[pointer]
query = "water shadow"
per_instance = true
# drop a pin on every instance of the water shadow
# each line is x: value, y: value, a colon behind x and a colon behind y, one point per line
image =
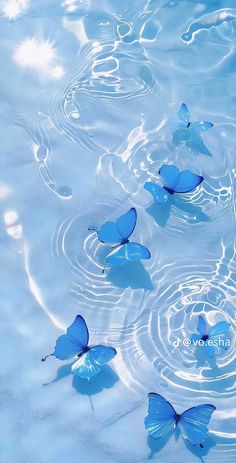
x: 156, y: 445
x: 192, y: 138
x: 200, y: 452
x: 197, y: 145
x: 106, y: 379
x: 131, y: 275
x: 62, y: 372
x: 203, y: 358
x: 161, y: 212
x: 103, y: 380
x: 213, y: 372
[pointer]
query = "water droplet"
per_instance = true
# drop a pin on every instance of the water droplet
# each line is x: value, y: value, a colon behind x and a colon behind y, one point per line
x: 64, y: 191
x: 75, y: 115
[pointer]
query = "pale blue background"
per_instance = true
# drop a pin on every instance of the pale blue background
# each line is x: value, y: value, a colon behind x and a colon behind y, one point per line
x: 89, y: 96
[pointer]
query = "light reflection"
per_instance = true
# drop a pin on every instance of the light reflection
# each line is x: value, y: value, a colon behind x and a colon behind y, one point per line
x: 4, y: 191
x: 13, y: 227
x: 13, y: 8
x: 58, y: 72
x: 35, y: 54
x: 40, y: 56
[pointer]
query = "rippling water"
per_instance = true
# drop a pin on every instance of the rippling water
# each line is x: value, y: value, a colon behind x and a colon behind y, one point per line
x: 90, y: 94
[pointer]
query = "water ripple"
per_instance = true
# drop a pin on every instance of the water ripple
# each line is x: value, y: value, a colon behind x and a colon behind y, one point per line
x: 150, y: 358
x: 112, y: 292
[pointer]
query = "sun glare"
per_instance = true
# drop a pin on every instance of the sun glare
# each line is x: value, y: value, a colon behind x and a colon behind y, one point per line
x: 57, y: 72
x: 39, y: 56
x: 13, y: 8
x: 34, y: 54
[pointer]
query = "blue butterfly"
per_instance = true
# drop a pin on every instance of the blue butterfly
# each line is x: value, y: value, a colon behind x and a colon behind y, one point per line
x: 175, y: 181
x: 119, y: 232
x: 191, y: 132
x: 162, y: 418
x: 75, y: 343
x: 211, y: 336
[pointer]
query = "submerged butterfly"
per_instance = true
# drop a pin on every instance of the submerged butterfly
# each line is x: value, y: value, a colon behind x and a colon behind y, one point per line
x: 162, y: 418
x: 191, y: 132
x: 118, y: 233
x: 175, y: 181
x: 211, y: 336
x: 90, y: 359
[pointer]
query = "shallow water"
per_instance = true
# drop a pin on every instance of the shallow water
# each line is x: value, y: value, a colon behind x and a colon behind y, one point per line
x: 90, y: 93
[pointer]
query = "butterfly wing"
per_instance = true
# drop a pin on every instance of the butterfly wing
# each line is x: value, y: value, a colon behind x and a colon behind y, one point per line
x: 201, y: 126
x: 193, y: 423
x: 202, y: 326
x: 183, y: 113
x: 161, y: 416
x: 160, y: 195
x: 187, y: 181
x: 194, y: 338
x: 181, y: 135
x: 197, y: 144
x: 126, y: 223
x: 74, y: 341
x: 89, y: 364
x: 210, y: 350
x: 220, y: 329
x: 170, y: 175
x: 111, y: 232
x: 126, y: 253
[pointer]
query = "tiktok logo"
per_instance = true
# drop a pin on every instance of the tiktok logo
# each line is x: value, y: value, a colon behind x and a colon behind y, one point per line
x: 177, y: 342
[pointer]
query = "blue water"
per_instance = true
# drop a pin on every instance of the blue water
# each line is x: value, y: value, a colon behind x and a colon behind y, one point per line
x: 89, y: 97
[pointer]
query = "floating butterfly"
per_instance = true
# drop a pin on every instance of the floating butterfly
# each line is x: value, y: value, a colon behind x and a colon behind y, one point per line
x: 119, y: 232
x: 75, y: 343
x: 211, y: 336
x: 191, y: 132
x: 175, y: 181
x: 162, y: 418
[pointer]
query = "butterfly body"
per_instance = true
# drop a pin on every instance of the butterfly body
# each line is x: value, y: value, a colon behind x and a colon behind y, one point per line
x: 85, y: 350
x: 124, y: 242
x: 169, y: 190
x: 74, y: 344
x: 118, y: 234
x: 162, y: 418
x: 177, y: 419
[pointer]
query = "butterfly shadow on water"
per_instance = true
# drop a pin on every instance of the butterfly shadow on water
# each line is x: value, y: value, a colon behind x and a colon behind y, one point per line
x: 202, y: 452
x: 191, y: 133
x: 106, y: 379
x: 210, y: 369
x: 156, y: 445
x: 203, y: 359
x: 132, y: 274
x: 161, y: 212
x: 196, y: 145
x: 62, y: 372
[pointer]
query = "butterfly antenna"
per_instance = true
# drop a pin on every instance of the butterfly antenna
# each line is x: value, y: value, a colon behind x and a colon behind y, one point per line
x: 93, y: 229
x: 103, y: 270
x: 94, y: 334
x: 44, y: 358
